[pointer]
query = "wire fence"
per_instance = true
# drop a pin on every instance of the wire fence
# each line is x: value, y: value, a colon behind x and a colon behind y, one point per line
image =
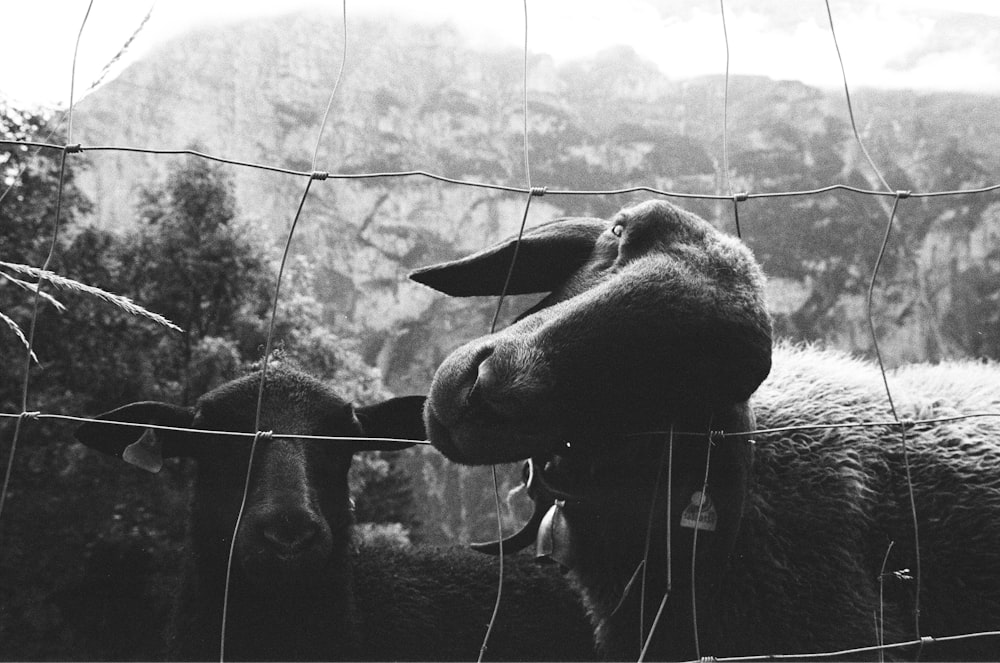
x: 530, y: 191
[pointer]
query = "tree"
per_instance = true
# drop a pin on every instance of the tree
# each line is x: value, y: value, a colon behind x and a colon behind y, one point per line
x: 194, y: 262
x: 29, y: 194
x: 29, y: 185
x: 47, y: 531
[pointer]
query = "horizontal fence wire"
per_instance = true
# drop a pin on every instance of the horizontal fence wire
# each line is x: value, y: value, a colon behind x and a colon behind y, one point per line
x: 919, y: 642
x: 544, y: 190
x: 42, y: 416
x: 901, y: 425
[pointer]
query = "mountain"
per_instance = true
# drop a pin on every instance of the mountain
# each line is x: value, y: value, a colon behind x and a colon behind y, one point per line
x: 418, y: 97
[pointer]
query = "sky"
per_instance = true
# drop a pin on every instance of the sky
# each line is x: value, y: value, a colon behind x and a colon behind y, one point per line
x: 921, y: 44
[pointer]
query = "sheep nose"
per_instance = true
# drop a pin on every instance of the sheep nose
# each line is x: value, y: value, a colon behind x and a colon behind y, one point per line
x: 291, y: 533
x: 486, y: 382
x: 512, y: 381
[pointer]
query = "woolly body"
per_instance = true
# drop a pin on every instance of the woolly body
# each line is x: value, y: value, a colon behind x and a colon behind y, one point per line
x: 805, y: 572
x: 655, y: 321
x: 300, y: 588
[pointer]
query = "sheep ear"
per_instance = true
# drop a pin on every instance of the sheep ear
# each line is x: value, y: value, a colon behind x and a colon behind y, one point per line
x: 138, y: 445
x: 401, y: 418
x: 547, y: 255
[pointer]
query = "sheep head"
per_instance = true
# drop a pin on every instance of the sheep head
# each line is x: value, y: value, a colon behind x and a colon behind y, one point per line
x: 650, y: 318
x: 298, y: 510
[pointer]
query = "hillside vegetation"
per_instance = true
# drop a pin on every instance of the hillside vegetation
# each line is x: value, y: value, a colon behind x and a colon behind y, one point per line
x: 419, y: 98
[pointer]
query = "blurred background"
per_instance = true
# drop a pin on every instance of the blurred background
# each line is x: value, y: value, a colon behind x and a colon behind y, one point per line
x: 620, y: 96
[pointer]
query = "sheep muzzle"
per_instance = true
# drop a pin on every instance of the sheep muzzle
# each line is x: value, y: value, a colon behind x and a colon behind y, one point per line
x: 497, y: 393
x: 284, y: 545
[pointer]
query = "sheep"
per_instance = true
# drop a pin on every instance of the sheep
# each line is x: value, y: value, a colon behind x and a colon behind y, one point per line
x: 302, y: 586
x: 651, y: 339
x: 112, y: 611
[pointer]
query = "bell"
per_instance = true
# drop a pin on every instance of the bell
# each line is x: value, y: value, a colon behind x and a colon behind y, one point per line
x: 554, y: 540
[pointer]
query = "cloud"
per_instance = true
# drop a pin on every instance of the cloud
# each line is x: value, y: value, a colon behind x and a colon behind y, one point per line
x: 924, y: 44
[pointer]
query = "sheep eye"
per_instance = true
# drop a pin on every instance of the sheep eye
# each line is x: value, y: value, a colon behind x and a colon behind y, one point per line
x: 617, y: 230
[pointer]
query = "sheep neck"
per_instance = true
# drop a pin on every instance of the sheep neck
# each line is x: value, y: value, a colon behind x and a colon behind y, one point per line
x: 599, y: 530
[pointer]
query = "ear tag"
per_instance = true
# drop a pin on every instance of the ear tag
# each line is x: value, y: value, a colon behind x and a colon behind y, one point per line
x: 146, y: 452
x: 554, y: 538
x: 707, y: 519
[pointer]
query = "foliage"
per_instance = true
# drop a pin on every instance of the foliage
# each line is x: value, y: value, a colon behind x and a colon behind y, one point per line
x: 193, y: 261
x: 30, y: 192
x: 47, y: 530
x: 29, y: 182
x: 48, y: 276
x: 113, y: 537
x: 204, y: 249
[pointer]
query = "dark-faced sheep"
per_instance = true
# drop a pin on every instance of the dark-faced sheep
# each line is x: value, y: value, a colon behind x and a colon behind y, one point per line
x: 655, y: 321
x: 301, y: 588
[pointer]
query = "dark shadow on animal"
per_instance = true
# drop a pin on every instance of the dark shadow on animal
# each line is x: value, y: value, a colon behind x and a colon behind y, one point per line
x: 301, y: 587
x: 653, y: 340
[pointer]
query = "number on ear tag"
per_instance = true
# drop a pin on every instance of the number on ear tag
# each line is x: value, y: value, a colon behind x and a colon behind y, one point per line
x: 700, y: 513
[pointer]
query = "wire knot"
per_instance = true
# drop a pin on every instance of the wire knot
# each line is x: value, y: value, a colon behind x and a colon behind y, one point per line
x: 741, y: 197
x: 319, y: 175
x: 716, y: 436
x: 73, y: 149
x: 30, y: 415
x: 538, y: 190
x: 900, y: 575
x: 265, y: 435
x: 903, y: 194
x: 927, y: 639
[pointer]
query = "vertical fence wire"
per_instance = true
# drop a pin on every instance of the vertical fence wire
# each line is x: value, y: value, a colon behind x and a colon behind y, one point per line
x: 260, y: 401
x: 709, y: 441
x: 265, y: 360
x: 493, y: 325
x: 880, y: 620
x: 63, y: 116
x: 666, y: 462
x: 871, y: 323
x: 725, y: 126
x: 37, y: 298
x: 69, y: 148
x: 72, y: 78
x: 917, y: 562
x: 725, y: 103
x: 725, y: 121
x: 336, y: 88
